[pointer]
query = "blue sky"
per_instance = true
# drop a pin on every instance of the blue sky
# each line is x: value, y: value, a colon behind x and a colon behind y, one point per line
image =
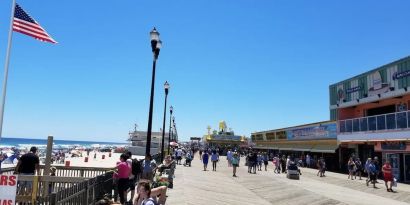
x: 257, y: 65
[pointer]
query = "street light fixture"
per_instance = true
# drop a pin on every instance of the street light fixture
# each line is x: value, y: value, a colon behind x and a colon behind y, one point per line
x: 171, y: 109
x: 156, y: 47
x: 166, y: 87
x: 173, y: 123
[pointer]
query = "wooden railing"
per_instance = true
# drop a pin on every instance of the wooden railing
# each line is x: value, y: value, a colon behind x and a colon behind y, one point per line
x: 71, y: 185
x: 86, y: 172
x: 64, y: 190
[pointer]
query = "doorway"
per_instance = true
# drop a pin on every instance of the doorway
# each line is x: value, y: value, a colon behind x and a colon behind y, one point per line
x: 395, y: 164
x: 407, y: 168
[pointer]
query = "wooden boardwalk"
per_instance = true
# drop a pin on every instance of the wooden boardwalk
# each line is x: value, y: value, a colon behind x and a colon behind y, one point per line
x: 194, y: 186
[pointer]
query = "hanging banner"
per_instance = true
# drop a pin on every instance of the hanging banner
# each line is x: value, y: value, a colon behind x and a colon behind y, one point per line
x: 8, y: 187
x: 319, y: 131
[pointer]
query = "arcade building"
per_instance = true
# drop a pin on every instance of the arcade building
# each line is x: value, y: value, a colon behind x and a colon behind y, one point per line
x: 369, y: 117
x: 373, y: 117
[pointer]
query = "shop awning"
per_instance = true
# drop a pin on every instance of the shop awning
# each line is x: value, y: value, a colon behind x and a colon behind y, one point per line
x: 295, y: 147
x: 324, y: 148
x: 302, y: 147
x: 284, y: 146
x: 262, y: 147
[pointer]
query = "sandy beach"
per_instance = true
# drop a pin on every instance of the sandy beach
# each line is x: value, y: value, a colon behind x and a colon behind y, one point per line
x: 107, y: 162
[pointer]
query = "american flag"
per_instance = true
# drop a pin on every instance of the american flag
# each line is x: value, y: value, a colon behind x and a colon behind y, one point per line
x: 24, y: 24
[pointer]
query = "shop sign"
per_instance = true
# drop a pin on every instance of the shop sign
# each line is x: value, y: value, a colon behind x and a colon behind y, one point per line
x: 8, y: 187
x: 399, y: 75
x: 321, y: 131
x: 354, y: 89
x: 378, y: 87
x: 394, y: 145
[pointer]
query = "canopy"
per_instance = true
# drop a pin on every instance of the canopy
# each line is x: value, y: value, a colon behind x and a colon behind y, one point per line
x: 324, y: 148
x: 174, y: 144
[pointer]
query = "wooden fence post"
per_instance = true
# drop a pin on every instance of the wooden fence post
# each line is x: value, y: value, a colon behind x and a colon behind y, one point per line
x: 53, y: 199
x: 85, y: 199
x: 46, y: 171
x: 34, y: 189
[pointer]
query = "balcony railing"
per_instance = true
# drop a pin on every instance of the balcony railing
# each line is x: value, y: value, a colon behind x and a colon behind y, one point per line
x: 390, y: 121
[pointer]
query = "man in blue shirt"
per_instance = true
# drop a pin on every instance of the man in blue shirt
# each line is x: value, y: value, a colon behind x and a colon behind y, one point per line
x: 372, y: 171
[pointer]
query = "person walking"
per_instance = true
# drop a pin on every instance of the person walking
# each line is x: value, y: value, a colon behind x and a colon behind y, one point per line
x: 265, y: 160
x: 179, y: 156
x: 387, y: 175
x: 260, y: 159
x: 214, y: 159
x: 205, y: 159
x: 377, y: 165
x: 276, y: 162
x: 350, y: 167
x: 235, y: 163
x: 372, y: 172
x: 308, y: 161
x: 229, y: 157
x: 200, y: 154
x: 321, y: 167
x: 366, y: 168
x: 254, y: 160
x: 248, y: 162
x: 359, y: 168
x: 283, y: 164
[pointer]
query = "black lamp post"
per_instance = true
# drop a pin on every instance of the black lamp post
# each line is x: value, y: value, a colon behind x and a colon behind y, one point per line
x: 173, y: 123
x: 156, y: 46
x: 171, y: 109
x: 166, y: 87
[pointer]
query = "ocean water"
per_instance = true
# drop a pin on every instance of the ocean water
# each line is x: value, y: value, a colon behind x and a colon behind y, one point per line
x: 25, y: 142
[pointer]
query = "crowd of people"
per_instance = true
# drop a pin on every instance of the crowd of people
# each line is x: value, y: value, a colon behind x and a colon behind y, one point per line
x: 133, y: 174
x: 373, y: 169
x: 142, y: 176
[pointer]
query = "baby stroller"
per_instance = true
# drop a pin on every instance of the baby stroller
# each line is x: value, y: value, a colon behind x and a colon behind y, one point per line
x: 188, y: 160
x: 293, y: 171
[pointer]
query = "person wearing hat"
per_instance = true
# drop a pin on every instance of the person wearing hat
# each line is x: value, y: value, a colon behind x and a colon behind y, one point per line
x: 235, y: 163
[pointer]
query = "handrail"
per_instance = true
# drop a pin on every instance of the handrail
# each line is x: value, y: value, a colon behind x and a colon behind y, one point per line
x: 87, y: 172
x: 376, y: 123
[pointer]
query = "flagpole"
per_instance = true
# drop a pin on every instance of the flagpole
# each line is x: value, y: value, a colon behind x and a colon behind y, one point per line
x: 6, y: 67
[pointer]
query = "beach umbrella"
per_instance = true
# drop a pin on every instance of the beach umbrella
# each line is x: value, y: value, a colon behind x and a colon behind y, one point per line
x: 174, y: 144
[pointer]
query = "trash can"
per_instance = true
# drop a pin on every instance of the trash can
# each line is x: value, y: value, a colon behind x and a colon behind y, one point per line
x: 67, y: 163
x: 109, y: 154
x: 85, y: 159
x: 103, y: 156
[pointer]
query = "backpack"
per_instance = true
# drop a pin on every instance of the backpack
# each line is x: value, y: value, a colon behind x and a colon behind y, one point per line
x: 136, y: 167
x: 234, y: 161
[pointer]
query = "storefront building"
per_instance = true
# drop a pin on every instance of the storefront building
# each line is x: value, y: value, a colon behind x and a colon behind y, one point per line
x: 316, y: 139
x: 372, y: 115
